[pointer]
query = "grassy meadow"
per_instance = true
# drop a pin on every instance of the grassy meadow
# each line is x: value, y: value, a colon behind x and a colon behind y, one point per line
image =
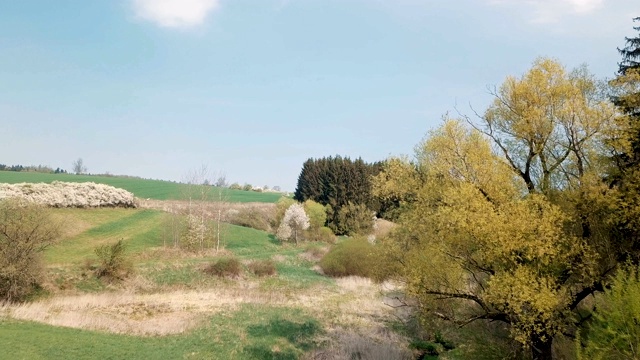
x: 141, y: 188
x: 171, y: 309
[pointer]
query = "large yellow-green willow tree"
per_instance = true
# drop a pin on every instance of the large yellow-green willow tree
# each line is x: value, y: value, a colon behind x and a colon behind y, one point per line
x: 506, y: 218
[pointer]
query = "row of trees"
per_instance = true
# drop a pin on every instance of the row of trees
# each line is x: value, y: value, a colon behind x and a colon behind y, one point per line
x: 522, y: 214
x: 344, y: 186
x: 32, y: 168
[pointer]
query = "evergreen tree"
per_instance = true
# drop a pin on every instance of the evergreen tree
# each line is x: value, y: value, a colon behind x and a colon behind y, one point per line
x: 628, y: 99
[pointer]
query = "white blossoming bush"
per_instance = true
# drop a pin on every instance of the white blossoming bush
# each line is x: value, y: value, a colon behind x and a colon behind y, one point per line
x: 65, y: 194
x: 295, y: 220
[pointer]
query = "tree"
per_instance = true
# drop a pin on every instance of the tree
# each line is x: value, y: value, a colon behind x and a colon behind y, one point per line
x: 26, y: 230
x: 508, y: 220
x: 79, y: 167
x: 337, y: 181
x: 295, y: 221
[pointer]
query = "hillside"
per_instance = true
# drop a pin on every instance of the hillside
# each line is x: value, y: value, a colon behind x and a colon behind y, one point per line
x: 142, y: 188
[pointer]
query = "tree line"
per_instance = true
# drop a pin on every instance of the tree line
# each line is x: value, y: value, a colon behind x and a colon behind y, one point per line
x: 32, y: 168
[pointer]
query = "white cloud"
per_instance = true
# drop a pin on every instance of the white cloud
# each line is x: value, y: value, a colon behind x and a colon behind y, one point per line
x: 550, y: 11
x: 175, y: 13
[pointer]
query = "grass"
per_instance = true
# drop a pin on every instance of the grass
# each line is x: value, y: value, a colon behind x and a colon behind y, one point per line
x: 252, y: 332
x: 141, y: 188
x: 170, y: 309
x: 140, y: 229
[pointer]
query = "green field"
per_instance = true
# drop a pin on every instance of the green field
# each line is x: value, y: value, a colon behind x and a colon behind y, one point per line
x: 142, y: 188
x: 282, y: 316
x: 251, y: 332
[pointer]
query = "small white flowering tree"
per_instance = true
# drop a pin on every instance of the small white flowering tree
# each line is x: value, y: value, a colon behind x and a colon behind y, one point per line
x: 295, y: 221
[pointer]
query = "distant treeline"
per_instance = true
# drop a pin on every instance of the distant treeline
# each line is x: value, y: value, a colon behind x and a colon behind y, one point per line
x: 32, y: 168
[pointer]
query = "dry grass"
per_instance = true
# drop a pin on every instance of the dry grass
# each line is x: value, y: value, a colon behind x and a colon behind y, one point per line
x: 314, y: 254
x: 355, y: 303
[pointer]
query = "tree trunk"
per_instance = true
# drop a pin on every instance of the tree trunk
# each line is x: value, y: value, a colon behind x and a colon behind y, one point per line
x: 541, y: 349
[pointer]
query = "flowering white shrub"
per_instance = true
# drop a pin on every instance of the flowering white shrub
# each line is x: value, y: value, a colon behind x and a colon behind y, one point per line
x: 295, y: 220
x: 65, y: 194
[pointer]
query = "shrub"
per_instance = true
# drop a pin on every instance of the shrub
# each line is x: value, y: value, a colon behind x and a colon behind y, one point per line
x: 25, y: 231
x: 352, y: 219
x: 262, y: 267
x: 225, y: 267
x: 281, y: 207
x: 113, y: 263
x: 323, y: 234
x: 252, y: 218
x: 294, y: 222
x: 64, y: 194
x: 316, y: 212
x: 352, y: 257
x: 614, y: 332
x: 235, y: 186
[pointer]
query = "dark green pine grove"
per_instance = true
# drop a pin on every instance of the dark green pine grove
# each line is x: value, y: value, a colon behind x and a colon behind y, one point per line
x: 342, y: 184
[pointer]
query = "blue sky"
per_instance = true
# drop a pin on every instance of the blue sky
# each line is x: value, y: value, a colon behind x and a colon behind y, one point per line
x: 252, y: 88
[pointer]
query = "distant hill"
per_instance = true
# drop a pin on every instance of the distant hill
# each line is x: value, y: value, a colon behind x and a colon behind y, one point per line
x: 142, y: 188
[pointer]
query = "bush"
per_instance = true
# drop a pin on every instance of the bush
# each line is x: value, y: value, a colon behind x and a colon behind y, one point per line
x: 225, y: 267
x: 113, y: 263
x: 262, y: 267
x: 64, y: 194
x: 25, y: 231
x: 316, y: 212
x: 252, y: 218
x: 351, y: 219
x: 352, y: 257
x: 323, y: 234
x: 614, y: 332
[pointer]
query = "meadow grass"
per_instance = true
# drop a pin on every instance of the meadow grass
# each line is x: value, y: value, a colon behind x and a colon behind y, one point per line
x: 171, y: 309
x: 141, y: 188
x: 251, y: 332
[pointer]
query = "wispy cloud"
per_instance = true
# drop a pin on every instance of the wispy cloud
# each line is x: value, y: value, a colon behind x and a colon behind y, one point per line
x: 550, y: 11
x: 175, y: 13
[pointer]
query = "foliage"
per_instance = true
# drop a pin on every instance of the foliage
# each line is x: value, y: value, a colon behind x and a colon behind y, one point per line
x: 26, y: 230
x: 352, y: 219
x: 336, y: 181
x: 548, y: 125
x: 614, y: 332
x: 316, y: 212
x: 281, y: 207
x: 294, y: 222
x: 63, y: 194
x: 352, y: 257
x: 254, y: 218
x: 247, y: 187
x: 323, y: 234
x: 225, y: 267
x: 197, y: 233
x: 396, y: 186
x: 513, y: 236
x: 262, y: 267
x: 113, y: 263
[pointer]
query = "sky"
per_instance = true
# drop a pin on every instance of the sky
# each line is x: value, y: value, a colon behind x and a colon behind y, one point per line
x: 252, y: 88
